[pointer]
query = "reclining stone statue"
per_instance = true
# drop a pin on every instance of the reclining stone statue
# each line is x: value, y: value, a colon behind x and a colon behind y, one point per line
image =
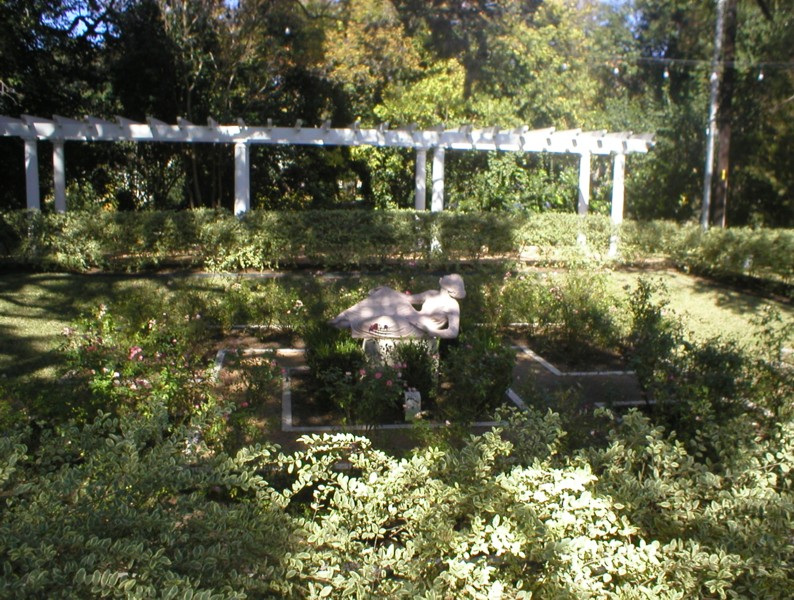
x: 389, y: 314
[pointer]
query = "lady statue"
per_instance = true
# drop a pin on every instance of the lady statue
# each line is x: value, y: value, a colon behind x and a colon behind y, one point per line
x: 388, y: 314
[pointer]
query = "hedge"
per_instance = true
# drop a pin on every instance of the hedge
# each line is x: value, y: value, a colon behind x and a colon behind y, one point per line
x: 219, y: 241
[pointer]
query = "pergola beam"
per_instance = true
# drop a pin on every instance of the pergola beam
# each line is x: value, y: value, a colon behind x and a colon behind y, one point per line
x: 523, y: 139
x: 585, y: 144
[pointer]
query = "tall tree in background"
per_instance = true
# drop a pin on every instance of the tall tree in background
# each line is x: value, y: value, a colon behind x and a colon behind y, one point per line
x: 725, y: 103
x: 636, y: 64
x: 762, y: 173
x: 50, y: 63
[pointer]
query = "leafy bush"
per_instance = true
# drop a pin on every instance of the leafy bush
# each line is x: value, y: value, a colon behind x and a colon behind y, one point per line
x: 266, y: 303
x: 329, y: 348
x: 117, y: 364
x: 574, y: 311
x: 703, y: 389
x: 144, y: 501
x: 260, y: 240
x: 135, y: 496
x: 419, y: 365
x: 741, y: 251
x: 136, y: 506
x: 476, y: 372
x: 370, y: 396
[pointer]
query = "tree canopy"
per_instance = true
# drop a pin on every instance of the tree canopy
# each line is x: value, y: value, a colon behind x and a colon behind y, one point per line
x: 640, y: 65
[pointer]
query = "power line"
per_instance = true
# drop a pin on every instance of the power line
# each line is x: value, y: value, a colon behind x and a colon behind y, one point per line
x: 695, y: 62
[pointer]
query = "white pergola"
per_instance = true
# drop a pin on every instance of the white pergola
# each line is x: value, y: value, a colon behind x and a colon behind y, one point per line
x: 438, y: 140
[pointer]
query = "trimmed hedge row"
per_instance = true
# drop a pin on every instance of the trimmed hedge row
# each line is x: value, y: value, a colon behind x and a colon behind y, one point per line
x: 219, y: 241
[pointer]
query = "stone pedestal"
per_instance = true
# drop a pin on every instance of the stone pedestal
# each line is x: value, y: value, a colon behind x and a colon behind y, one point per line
x: 413, y: 404
x: 381, y: 351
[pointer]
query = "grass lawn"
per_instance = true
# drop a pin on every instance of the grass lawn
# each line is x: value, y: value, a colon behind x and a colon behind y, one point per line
x: 709, y: 309
x: 35, y: 308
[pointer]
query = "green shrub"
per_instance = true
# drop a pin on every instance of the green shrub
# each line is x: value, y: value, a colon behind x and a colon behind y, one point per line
x: 419, y: 366
x: 135, y: 507
x: 339, y: 239
x: 140, y: 505
x: 476, y: 372
x: 117, y: 364
x: 574, y: 309
x: 704, y: 389
x: 328, y: 347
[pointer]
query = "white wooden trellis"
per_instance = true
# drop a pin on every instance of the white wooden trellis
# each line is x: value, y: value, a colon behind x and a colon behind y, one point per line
x: 585, y: 144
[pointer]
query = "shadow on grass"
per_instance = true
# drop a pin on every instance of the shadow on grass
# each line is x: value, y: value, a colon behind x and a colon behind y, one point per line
x: 35, y: 308
x: 740, y: 299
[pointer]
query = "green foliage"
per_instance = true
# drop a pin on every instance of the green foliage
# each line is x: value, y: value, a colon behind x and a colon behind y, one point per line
x: 705, y: 520
x: 572, y: 310
x: 371, y: 395
x: 267, y: 303
x: 135, y: 507
x: 763, y: 253
x: 476, y: 372
x: 655, y: 335
x: 419, y: 366
x: 119, y: 365
x: 120, y: 507
x: 708, y: 391
x: 365, y: 392
x: 263, y: 240
x: 144, y: 501
x: 556, y: 63
x: 328, y: 347
x: 259, y: 375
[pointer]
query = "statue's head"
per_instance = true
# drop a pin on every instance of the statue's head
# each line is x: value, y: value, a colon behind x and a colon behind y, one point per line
x: 453, y: 284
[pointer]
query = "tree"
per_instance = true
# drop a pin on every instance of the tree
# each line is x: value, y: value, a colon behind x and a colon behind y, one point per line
x: 755, y: 120
x: 50, y: 63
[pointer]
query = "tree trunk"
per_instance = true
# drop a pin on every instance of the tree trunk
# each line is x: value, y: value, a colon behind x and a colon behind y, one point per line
x: 725, y: 115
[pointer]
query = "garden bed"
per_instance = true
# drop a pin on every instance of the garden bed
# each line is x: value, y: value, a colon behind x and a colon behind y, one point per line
x: 284, y: 403
x: 566, y: 357
x: 288, y: 401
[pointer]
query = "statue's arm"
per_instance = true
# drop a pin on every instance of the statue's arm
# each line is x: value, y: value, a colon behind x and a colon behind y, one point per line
x: 420, y: 297
x: 429, y: 325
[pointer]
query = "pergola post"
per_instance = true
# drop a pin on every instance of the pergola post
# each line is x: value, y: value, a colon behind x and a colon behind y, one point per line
x: 420, y: 199
x: 583, y: 204
x: 618, y: 187
x: 32, y: 174
x: 618, y: 197
x: 437, y: 202
x: 59, y: 175
x: 242, y: 178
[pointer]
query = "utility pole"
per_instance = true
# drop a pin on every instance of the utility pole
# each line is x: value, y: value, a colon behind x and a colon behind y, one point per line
x: 714, y: 93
